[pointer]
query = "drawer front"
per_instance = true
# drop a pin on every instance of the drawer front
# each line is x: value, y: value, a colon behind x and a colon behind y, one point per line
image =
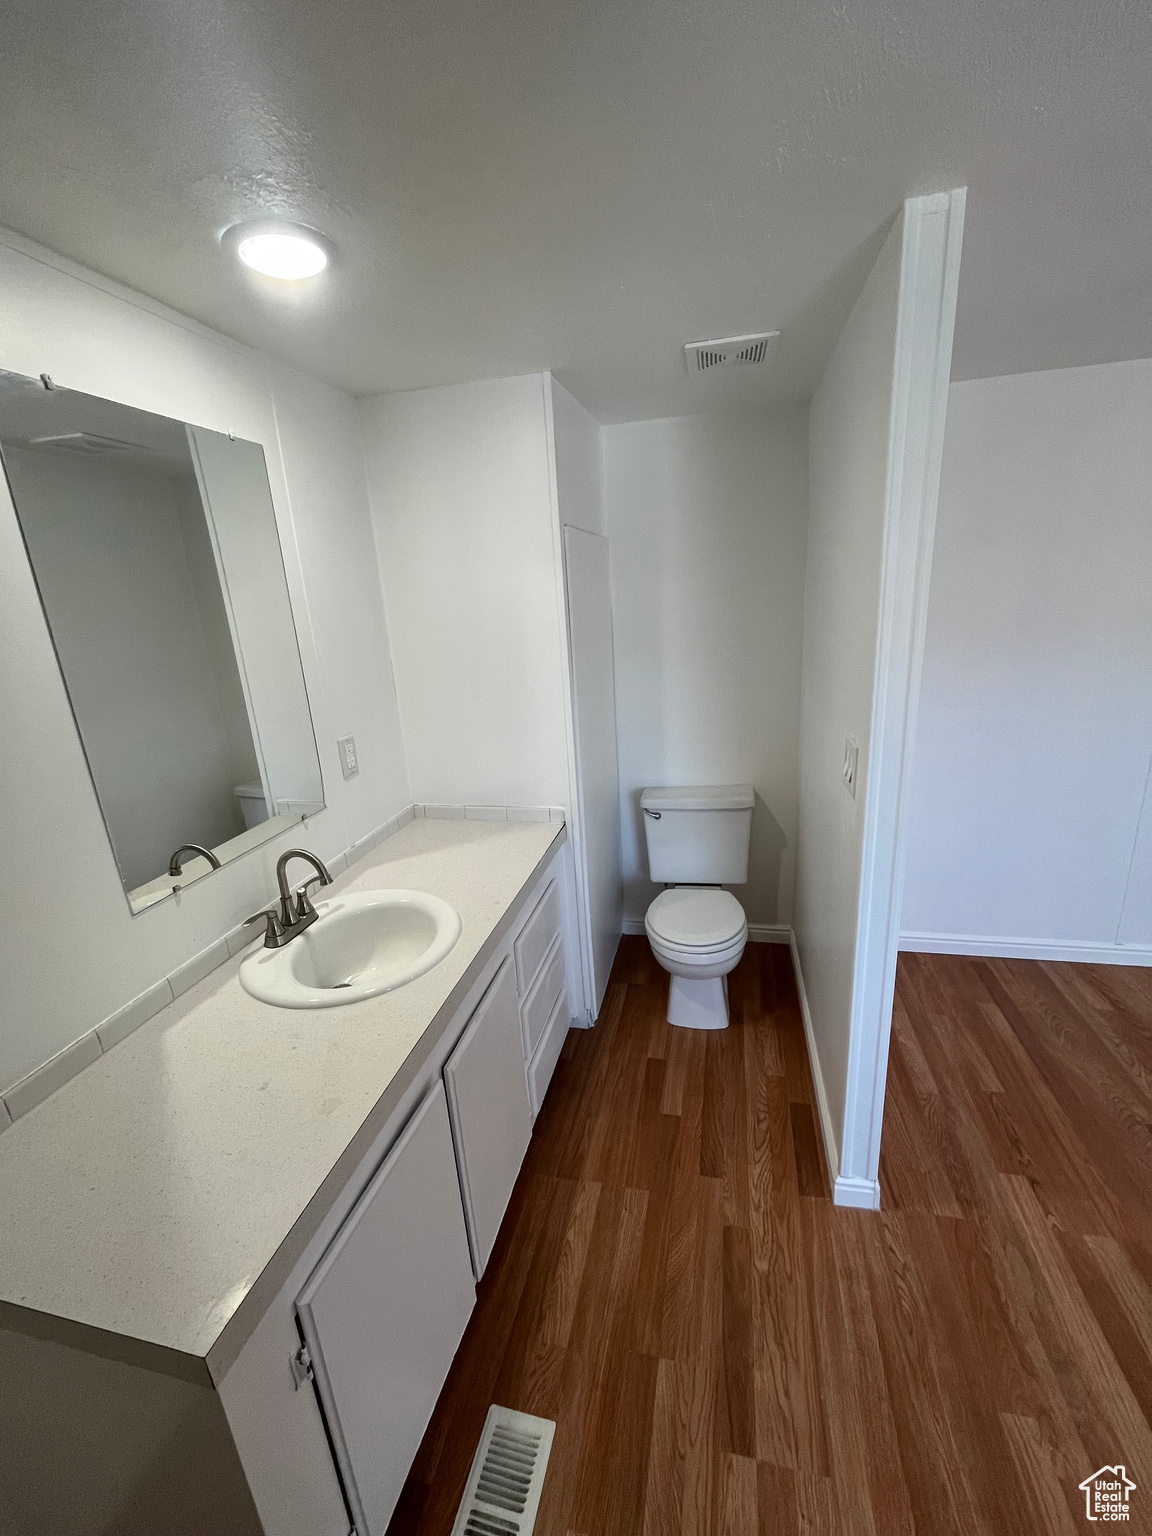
x: 535, y: 938
x: 535, y: 1013
x: 547, y: 1054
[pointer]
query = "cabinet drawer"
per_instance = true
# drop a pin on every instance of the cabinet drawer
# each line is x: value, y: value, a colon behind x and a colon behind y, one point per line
x: 543, y: 1063
x: 536, y: 1011
x: 535, y: 938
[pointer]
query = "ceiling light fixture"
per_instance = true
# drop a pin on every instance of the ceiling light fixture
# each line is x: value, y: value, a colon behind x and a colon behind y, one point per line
x: 286, y: 251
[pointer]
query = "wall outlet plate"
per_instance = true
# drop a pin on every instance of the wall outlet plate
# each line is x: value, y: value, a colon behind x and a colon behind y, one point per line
x: 851, y: 765
x: 349, y: 765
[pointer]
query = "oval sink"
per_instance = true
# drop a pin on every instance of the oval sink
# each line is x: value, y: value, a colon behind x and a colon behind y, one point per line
x: 361, y: 945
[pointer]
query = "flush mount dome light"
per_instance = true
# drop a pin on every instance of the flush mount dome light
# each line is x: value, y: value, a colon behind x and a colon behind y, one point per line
x: 287, y: 251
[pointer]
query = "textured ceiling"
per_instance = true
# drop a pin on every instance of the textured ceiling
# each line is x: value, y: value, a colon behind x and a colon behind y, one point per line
x: 587, y: 186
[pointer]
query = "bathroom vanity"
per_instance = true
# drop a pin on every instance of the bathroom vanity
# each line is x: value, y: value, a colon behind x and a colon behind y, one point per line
x: 240, y: 1250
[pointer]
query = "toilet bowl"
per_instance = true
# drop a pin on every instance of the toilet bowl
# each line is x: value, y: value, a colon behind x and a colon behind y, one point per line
x: 697, y: 933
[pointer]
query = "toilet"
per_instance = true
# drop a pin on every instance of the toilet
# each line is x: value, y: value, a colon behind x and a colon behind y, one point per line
x: 698, y: 837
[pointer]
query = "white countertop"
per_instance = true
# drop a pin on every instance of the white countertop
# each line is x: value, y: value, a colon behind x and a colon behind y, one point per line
x: 147, y: 1195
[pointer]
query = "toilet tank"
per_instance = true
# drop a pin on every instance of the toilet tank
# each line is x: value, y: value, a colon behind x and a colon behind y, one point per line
x: 698, y: 834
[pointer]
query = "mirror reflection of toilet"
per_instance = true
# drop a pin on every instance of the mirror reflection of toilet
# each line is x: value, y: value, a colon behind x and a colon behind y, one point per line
x: 253, y: 806
x: 698, y: 838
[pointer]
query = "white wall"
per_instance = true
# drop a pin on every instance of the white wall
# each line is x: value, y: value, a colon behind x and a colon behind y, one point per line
x: 107, y: 546
x: 849, y: 423
x: 319, y: 433
x: 876, y: 431
x: 1035, y: 732
x: 460, y: 486
x: 63, y: 914
x: 706, y: 517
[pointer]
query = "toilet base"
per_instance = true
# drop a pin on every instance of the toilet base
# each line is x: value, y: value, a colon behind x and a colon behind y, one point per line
x: 696, y: 1004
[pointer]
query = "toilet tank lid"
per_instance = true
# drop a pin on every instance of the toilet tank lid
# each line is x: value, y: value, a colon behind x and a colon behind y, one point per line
x: 700, y: 797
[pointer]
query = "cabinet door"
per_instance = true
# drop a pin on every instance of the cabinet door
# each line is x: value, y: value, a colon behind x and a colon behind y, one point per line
x: 384, y: 1311
x: 491, y: 1116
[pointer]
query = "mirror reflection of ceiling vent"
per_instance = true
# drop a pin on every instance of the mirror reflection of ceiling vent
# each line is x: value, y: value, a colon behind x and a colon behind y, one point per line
x: 728, y: 351
x: 84, y: 442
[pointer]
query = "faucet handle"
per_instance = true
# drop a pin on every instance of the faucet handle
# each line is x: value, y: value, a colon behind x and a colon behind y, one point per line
x: 273, y: 928
x: 304, y: 907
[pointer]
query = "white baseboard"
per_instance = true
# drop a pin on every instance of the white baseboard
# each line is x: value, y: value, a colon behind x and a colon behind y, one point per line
x: 827, y: 1131
x: 758, y: 933
x: 769, y: 933
x: 992, y: 946
x: 860, y: 1194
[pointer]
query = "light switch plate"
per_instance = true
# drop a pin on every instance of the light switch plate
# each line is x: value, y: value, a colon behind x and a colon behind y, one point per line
x: 349, y: 765
x: 851, y: 765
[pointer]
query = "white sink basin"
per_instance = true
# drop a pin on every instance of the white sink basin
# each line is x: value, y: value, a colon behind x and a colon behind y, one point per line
x: 360, y: 945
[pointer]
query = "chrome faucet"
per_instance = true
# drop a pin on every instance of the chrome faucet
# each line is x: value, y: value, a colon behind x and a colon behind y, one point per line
x: 281, y: 925
x: 176, y: 868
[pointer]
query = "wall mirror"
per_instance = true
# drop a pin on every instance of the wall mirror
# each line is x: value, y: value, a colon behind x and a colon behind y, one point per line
x: 155, y: 551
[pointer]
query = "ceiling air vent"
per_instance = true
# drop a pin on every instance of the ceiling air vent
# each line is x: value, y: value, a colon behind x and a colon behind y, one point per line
x: 728, y: 351
x: 502, y: 1495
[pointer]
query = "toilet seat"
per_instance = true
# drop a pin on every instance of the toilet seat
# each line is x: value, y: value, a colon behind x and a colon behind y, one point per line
x: 700, y: 921
x: 679, y: 957
x: 697, y: 933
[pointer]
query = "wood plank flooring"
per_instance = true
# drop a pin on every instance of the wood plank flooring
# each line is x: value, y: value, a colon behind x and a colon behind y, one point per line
x: 725, y: 1352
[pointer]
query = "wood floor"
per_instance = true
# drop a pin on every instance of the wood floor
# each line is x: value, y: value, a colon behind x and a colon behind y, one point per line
x: 725, y: 1351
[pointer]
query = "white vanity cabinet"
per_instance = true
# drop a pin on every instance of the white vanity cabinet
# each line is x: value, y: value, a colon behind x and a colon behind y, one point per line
x: 384, y: 1311
x: 491, y: 1115
x: 303, y: 1414
x: 382, y: 1293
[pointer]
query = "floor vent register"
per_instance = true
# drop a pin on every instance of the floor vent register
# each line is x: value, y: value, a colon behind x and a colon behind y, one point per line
x: 503, y: 1491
